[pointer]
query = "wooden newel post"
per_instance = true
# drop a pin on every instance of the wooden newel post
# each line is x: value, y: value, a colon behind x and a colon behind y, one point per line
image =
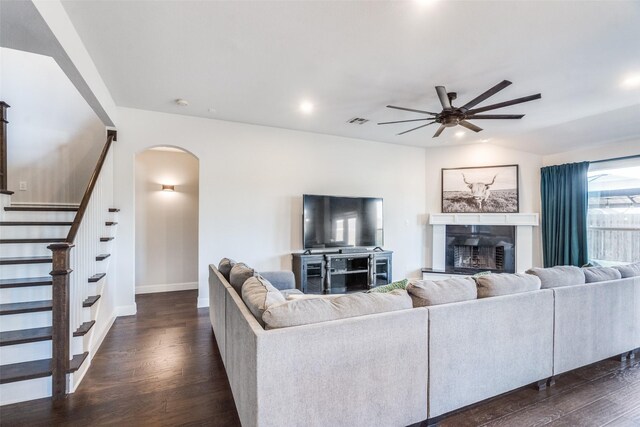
x: 3, y: 145
x: 60, y: 323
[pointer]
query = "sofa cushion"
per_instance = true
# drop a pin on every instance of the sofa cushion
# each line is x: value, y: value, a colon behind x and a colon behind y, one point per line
x: 493, y: 285
x: 225, y: 266
x: 306, y: 311
x: 289, y: 292
x: 629, y: 270
x: 428, y: 292
x: 258, y: 295
x: 240, y: 272
x: 600, y: 274
x: 555, y: 277
x: 400, y: 284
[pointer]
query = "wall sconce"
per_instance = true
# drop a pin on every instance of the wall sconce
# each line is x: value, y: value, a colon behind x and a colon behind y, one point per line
x: 166, y: 187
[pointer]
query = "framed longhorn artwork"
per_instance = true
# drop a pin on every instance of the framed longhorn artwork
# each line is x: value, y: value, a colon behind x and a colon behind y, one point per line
x: 486, y: 189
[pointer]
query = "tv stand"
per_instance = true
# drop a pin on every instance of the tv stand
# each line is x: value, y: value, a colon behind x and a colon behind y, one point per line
x: 338, y: 273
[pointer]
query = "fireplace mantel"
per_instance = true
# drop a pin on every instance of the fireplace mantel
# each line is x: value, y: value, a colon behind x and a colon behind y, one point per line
x: 524, y: 223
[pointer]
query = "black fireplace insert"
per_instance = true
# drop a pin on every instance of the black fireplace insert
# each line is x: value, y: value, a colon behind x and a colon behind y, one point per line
x: 476, y: 248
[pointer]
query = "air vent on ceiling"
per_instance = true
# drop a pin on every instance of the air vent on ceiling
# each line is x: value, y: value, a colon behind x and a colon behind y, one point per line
x: 357, y: 121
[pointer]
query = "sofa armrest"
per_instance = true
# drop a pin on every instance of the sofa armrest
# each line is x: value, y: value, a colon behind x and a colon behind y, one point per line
x: 280, y: 279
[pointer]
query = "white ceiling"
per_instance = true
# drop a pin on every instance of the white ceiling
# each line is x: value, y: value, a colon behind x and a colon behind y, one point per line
x: 255, y: 61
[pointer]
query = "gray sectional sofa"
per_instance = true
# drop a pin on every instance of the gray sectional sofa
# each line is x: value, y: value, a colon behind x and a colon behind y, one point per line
x: 402, y: 367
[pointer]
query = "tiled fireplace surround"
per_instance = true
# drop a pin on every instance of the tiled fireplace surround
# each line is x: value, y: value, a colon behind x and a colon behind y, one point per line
x: 523, y: 223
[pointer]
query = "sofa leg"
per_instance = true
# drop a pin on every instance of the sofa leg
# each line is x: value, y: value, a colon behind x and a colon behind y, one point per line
x: 541, y: 385
x: 551, y: 381
x: 632, y: 355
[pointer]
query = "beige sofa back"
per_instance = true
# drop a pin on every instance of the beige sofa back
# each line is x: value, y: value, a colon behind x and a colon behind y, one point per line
x: 482, y: 348
x: 595, y: 321
x: 217, y: 307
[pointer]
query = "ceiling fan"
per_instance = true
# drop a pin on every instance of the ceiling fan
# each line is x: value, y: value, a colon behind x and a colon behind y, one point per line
x: 451, y: 116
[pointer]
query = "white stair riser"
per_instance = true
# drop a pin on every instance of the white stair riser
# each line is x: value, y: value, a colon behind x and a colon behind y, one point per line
x: 25, y: 352
x: 17, y: 271
x: 97, y: 287
x: 38, y: 216
x: 22, y: 391
x: 14, y: 322
x: 31, y: 293
x: 34, y: 232
x: 24, y: 249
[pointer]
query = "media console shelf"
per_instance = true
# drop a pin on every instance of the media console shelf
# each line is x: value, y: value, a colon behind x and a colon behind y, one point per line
x: 339, y: 273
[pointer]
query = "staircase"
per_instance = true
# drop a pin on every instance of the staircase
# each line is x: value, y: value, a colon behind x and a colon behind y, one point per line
x: 54, y: 272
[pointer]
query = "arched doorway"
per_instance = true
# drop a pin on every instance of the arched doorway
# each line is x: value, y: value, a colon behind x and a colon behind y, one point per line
x: 166, y: 240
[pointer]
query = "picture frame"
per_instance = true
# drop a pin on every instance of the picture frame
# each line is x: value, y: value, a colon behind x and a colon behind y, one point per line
x: 481, y: 189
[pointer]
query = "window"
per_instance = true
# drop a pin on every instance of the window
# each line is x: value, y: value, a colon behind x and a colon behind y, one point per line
x: 614, y: 212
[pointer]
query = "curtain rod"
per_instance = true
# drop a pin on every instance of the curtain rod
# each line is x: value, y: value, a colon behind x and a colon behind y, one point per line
x: 617, y: 158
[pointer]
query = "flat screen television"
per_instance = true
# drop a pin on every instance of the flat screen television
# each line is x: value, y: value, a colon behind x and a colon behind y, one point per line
x: 338, y: 222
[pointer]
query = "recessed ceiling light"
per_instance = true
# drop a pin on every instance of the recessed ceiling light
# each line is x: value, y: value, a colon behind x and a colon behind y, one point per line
x: 485, y: 140
x: 425, y: 3
x: 306, y: 107
x: 182, y: 102
x: 460, y: 133
x: 631, y: 81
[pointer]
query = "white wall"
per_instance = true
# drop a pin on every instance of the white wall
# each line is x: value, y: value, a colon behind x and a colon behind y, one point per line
x: 251, y: 183
x: 603, y: 152
x: 166, y: 222
x: 54, y: 137
x: 483, y: 155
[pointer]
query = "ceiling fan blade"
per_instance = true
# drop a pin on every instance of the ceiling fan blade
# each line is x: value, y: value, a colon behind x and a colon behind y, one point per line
x: 475, y: 101
x: 439, y: 131
x: 444, y: 98
x: 411, y: 130
x: 412, y: 110
x: 505, y: 104
x: 495, y: 116
x: 404, y: 121
x: 469, y: 126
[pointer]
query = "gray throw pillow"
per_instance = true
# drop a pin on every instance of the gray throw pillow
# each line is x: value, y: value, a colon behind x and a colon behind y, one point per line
x: 556, y: 277
x: 239, y: 274
x: 493, y: 285
x: 259, y: 294
x: 600, y: 274
x: 629, y: 270
x: 225, y: 266
x: 427, y: 292
x: 314, y: 310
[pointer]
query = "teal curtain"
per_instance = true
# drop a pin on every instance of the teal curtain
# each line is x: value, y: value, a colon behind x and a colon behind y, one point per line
x: 564, y: 214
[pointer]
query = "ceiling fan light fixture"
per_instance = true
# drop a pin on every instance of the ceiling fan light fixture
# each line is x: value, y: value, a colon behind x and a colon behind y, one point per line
x: 460, y: 133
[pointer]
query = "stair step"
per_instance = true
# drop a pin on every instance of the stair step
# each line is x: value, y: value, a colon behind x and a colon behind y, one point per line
x: 114, y: 210
x: 84, y: 328
x: 25, y: 307
x: 7, y: 192
x: 90, y: 301
x: 25, y: 260
x: 110, y: 223
x: 35, y: 369
x: 102, y: 257
x: 47, y: 240
x: 25, y: 282
x: 106, y: 239
x: 96, y: 277
x: 25, y: 336
x: 34, y: 223
x: 40, y: 209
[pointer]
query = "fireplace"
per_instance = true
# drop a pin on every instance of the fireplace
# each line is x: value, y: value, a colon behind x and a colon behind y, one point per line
x: 474, y: 248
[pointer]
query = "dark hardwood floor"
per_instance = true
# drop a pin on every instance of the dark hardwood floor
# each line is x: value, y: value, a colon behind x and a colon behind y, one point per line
x: 162, y: 367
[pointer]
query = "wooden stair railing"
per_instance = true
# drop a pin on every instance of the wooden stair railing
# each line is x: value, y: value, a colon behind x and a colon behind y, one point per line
x: 3, y: 147
x: 61, y: 281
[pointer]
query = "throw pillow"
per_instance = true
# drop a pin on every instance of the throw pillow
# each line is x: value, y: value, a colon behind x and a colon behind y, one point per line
x: 600, y: 274
x: 493, y: 285
x: 629, y: 270
x: 315, y: 310
x: 225, y: 266
x: 427, y: 292
x: 258, y: 295
x: 555, y: 277
x: 400, y: 284
x: 239, y: 274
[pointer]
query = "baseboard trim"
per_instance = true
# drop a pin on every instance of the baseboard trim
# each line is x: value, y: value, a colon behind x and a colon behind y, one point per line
x: 126, y: 310
x: 203, y: 302
x: 169, y: 287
